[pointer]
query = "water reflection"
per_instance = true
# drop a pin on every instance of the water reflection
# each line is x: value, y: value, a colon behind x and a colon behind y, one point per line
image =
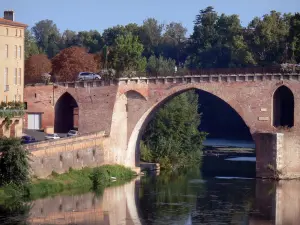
x: 117, y: 205
x: 169, y: 199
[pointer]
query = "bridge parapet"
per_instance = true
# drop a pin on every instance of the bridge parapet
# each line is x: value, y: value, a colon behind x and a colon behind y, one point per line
x: 185, y: 79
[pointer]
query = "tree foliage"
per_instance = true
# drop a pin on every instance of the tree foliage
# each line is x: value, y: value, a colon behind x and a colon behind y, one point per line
x: 127, y: 54
x: 217, y: 40
x: 172, y: 137
x: 69, y: 62
x: 160, y: 66
x: 14, y: 162
x: 35, y: 67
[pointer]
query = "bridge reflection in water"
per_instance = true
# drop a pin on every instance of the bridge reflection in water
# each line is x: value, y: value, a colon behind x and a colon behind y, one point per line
x: 117, y: 206
x: 275, y: 203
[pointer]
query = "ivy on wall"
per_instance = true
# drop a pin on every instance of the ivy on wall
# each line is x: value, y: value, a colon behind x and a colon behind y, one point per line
x: 9, y: 110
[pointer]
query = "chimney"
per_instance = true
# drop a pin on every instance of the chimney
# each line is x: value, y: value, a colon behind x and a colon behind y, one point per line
x: 9, y: 15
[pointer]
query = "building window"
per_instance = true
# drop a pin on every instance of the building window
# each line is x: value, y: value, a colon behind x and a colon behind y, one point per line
x: 20, y: 33
x: 20, y: 76
x: 16, y: 49
x: 16, y: 32
x: 19, y: 51
x: 6, y: 88
x: 6, y: 31
x: 5, y: 98
x: 6, y: 51
x: 16, y: 76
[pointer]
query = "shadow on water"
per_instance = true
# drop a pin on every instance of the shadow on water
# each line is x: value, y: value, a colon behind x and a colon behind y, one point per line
x: 176, y: 198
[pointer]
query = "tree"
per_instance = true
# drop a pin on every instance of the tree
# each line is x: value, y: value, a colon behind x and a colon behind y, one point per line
x: 14, y: 162
x: 173, y: 136
x: 127, y: 55
x: 31, y: 47
x: 68, y: 39
x: 268, y: 41
x: 150, y: 36
x: 90, y: 40
x: 35, y: 67
x: 294, y: 38
x: 69, y: 62
x: 203, y: 40
x: 47, y: 36
x: 173, y: 42
x: 160, y: 66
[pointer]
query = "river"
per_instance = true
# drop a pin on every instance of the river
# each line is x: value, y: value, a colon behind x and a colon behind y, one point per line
x: 184, y: 198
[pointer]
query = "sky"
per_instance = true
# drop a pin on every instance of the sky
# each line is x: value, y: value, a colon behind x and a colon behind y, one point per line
x: 100, y: 14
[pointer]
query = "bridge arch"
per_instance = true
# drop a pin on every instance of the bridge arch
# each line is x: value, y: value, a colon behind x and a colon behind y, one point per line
x: 66, y: 113
x: 283, y: 107
x: 132, y: 157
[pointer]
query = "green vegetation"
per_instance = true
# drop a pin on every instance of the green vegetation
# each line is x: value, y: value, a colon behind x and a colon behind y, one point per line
x: 83, y: 180
x: 217, y: 40
x: 172, y: 138
x: 14, y: 162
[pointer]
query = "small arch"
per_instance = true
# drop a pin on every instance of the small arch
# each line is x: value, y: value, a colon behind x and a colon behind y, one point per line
x: 283, y: 107
x: 66, y: 114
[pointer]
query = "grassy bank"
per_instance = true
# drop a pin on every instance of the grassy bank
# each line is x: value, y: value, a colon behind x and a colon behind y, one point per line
x: 83, y: 180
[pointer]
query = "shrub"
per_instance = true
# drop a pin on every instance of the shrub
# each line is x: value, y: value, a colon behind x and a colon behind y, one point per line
x: 14, y: 162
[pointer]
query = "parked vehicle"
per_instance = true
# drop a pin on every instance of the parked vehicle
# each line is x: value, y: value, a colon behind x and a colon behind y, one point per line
x: 72, y: 133
x: 88, y: 76
x: 27, y: 139
x: 52, y: 136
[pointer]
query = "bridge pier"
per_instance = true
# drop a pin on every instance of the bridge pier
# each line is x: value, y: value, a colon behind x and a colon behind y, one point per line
x: 277, y: 155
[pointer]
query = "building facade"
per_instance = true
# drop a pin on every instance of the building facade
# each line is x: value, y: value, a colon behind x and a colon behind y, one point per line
x: 11, y: 72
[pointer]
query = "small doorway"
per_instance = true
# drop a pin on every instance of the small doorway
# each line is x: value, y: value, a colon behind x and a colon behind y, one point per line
x: 283, y: 107
x: 34, y: 121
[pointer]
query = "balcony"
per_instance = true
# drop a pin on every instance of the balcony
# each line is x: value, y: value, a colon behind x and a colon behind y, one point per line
x: 6, y: 87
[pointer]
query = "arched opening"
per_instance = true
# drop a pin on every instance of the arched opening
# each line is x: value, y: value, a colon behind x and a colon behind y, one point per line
x: 219, y: 118
x: 283, y: 107
x: 66, y: 114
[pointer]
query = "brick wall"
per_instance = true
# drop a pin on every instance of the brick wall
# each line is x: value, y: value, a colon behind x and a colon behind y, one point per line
x: 75, y: 152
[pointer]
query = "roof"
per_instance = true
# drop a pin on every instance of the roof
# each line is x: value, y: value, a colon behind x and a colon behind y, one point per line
x: 12, y: 23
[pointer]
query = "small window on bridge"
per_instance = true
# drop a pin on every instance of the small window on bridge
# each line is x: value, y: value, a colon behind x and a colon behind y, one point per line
x: 283, y: 107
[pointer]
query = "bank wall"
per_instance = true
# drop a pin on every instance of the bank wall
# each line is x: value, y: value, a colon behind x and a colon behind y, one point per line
x: 74, y: 152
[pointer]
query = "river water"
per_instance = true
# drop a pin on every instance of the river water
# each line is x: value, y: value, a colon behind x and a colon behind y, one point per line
x: 177, y: 199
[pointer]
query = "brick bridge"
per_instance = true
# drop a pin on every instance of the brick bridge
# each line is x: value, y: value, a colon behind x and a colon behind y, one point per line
x: 267, y: 101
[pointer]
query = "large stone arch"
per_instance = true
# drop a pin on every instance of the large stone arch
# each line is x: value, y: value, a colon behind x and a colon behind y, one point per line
x: 66, y: 113
x: 132, y: 152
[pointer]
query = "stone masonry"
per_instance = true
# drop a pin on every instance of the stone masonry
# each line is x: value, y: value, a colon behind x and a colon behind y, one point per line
x: 122, y: 109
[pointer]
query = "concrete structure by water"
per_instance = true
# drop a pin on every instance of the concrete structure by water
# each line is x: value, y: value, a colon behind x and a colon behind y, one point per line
x: 267, y: 101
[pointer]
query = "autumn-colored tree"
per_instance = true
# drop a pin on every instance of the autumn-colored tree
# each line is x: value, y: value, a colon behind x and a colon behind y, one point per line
x: 69, y: 62
x: 35, y: 67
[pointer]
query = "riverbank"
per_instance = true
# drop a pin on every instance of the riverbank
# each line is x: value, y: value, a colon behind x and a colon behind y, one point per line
x: 87, y: 179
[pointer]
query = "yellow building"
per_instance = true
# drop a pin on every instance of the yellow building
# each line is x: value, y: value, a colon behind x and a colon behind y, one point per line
x: 11, y: 72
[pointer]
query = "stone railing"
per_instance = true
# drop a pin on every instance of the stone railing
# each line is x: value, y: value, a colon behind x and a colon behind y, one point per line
x: 62, y: 141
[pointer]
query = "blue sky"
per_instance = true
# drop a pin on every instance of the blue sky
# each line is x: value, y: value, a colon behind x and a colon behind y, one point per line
x: 100, y: 14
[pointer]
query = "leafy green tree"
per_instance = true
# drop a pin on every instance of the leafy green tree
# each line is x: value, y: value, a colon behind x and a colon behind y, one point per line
x: 160, y: 66
x: 47, y: 37
x: 90, y: 40
x: 294, y: 38
x: 204, y: 38
x: 173, y: 136
x: 150, y: 36
x: 31, y: 47
x: 68, y: 39
x: 14, y: 162
x: 268, y: 41
x: 173, y: 42
x: 127, y: 55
